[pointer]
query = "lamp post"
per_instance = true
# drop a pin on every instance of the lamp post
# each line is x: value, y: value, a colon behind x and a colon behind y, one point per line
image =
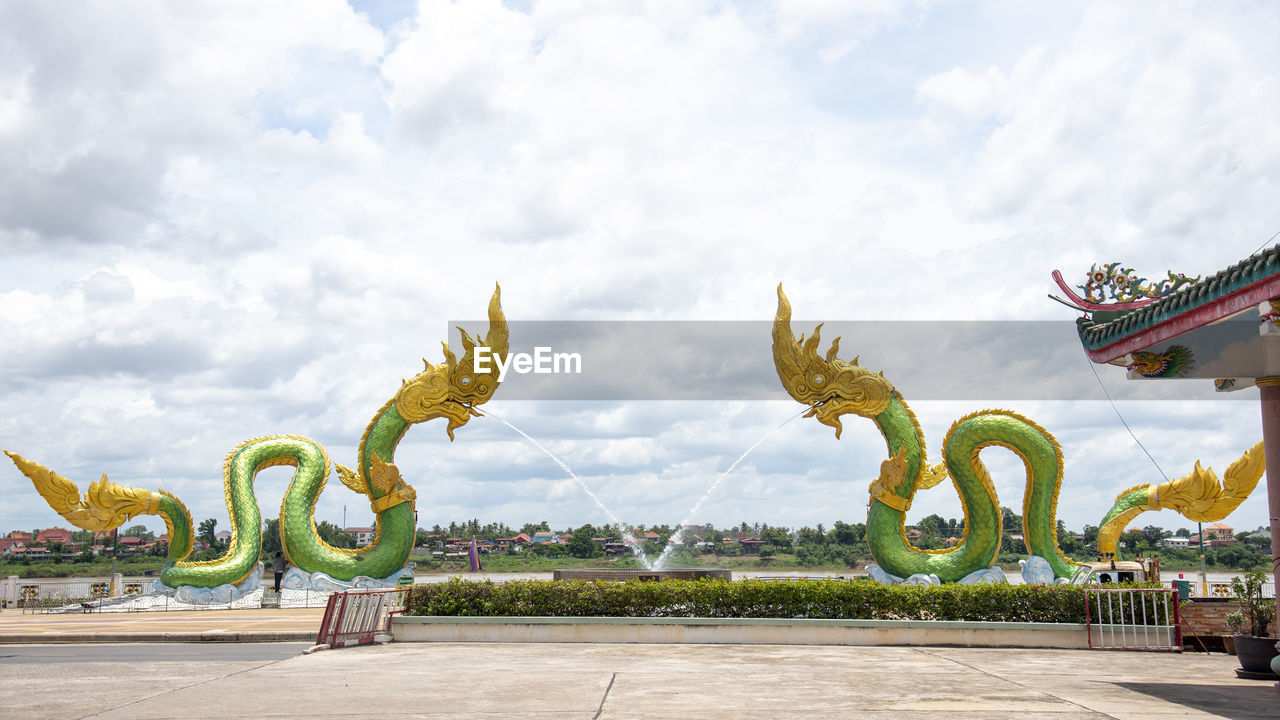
x: 115, y: 548
x: 1204, y: 577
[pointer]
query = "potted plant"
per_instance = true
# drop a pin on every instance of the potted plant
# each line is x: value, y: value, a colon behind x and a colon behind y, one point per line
x: 1256, y: 649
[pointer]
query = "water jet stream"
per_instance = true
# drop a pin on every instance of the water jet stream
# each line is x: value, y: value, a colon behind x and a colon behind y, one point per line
x: 627, y: 537
x: 676, y: 537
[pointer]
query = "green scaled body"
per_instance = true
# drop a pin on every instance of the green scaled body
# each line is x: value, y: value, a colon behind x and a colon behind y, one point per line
x: 833, y: 388
x: 302, y: 545
x: 983, y: 520
x: 450, y: 391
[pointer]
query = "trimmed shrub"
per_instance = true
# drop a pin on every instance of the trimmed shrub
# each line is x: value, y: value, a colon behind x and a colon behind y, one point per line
x: 749, y: 599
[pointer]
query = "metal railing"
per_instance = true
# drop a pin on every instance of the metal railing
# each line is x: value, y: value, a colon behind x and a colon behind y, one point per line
x: 95, y: 595
x: 360, y: 617
x: 1218, y: 589
x: 34, y: 597
x: 1133, y: 619
x: 1223, y: 590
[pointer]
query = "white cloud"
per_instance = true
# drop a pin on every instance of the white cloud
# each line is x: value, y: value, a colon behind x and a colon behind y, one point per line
x: 223, y: 220
x: 836, y: 27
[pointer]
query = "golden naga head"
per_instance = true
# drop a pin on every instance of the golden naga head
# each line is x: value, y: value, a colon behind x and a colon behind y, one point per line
x: 453, y: 388
x: 830, y: 386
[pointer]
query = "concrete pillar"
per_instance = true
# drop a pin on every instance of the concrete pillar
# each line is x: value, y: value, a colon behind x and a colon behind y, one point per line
x: 1270, y: 390
x: 11, y: 591
x: 117, y: 585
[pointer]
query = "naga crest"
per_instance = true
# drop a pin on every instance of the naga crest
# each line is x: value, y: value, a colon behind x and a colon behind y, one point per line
x: 830, y: 386
x: 453, y: 388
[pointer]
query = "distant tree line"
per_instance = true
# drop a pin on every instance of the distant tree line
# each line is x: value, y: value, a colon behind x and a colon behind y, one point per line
x: 841, y: 544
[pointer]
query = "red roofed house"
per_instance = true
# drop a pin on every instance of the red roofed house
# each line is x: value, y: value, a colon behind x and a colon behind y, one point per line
x: 513, y: 542
x: 52, y: 535
x: 363, y: 535
x: 1220, y: 531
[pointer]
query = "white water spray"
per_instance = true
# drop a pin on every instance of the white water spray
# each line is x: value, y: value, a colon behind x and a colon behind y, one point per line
x: 676, y: 537
x: 627, y: 537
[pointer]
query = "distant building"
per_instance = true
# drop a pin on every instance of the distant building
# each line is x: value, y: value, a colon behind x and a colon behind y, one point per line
x: 703, y: 529
x: 1260, y: 539
x: 363, y: 535
x: 1220, y: 531
x: 513, y: 542
x: 54, y: 534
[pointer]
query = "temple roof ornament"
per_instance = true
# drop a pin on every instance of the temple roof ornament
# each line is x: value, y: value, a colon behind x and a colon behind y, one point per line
x: 1114, y: 287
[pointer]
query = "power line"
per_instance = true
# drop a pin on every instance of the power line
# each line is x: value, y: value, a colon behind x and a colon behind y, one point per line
x: 1122, y: 420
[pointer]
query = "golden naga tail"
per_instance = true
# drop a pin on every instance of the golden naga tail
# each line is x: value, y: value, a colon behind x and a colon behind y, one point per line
x: 105, y: 506
x: 1198, y: 496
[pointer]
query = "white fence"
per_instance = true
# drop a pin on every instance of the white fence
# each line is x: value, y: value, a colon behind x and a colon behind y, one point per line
x: 1133, y: 619
x: 1223, y: 589
x: 44, y: 595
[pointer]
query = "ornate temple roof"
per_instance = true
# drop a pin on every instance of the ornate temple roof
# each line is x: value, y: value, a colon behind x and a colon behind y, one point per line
x: 1226, y: 293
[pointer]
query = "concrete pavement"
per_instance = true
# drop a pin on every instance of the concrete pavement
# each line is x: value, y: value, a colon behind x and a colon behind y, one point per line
x: 586, y: 681
x: 521, y: 680
x: 270, y: 625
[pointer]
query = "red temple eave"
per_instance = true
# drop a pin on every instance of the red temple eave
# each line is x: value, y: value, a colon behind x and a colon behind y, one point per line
x: 1217, y: 309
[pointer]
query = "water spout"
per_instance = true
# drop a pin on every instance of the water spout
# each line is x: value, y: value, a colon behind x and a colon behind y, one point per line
x: 629, y: 539
x: 678, y: 535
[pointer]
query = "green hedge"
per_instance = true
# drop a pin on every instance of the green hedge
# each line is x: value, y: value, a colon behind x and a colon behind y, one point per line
x: 749, y: 599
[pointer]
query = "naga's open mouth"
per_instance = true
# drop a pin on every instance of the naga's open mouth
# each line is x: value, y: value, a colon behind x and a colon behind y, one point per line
x: 816, y: 408
x: 828, y: 412
x: 457, y: 412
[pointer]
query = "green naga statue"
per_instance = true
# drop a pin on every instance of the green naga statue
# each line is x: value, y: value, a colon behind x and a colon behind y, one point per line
x: 450, y: 390
x: 833, y: 388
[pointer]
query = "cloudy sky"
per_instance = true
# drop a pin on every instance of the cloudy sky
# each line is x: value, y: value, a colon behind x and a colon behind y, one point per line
x: 224, y: 220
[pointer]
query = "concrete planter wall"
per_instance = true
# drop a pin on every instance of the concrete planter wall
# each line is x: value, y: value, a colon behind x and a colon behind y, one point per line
x: 738, y: 631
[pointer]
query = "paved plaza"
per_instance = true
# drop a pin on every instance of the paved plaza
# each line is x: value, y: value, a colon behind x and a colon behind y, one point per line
x: 498, y: 680
x: 267, y: 625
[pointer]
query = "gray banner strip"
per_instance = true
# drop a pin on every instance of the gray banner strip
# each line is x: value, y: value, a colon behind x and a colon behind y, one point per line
x: 711, y: 360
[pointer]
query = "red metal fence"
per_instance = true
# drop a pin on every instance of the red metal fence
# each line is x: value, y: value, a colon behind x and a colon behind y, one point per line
x: 1133, y: 619
x: 359, y: 617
